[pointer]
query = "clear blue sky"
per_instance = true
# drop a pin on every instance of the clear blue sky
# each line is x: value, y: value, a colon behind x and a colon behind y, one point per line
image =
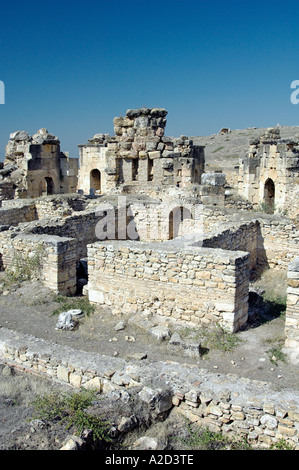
x: 73, y: 65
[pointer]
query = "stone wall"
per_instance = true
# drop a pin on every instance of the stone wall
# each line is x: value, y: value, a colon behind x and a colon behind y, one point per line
x: 292, y: 311
x: 50, y: 259
x: 236, y: 406
x: 281, y: 241
x: 21, y: 211
x: 132, y: 277
x: 80, y: 226
x: 139, y: 156
x: 35, y: 165
x: 278, y: 237
x: 243, y: 237
x: 268, y: 175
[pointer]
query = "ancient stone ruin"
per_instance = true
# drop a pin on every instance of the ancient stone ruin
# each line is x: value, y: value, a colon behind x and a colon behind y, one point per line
x: 269, y: 174
x: 35, y: 166
x: 139, y: 158
x: 140, y: 224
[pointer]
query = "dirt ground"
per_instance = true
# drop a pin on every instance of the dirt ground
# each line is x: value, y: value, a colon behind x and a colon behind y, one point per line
x: 28, y: 308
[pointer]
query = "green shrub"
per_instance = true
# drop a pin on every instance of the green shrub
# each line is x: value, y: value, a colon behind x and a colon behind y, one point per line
x: 25, y: 267
x: 203, y: 439
x: 70, y: 410
x: 281, y: 444
x: 213, y: 338
x: 70, y: 303
x: 275, y: 353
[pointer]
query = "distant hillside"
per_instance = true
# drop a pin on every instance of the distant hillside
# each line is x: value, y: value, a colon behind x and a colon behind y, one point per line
x: 223, y: 151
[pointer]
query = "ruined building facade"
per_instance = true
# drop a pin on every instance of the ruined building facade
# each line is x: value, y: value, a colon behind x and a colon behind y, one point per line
x: 35, y: 166
x: 139, y: 157
x: 269, y: 174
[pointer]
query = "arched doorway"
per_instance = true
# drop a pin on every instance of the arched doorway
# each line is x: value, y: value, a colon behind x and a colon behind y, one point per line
x: 95, y: 180
x: 176, y: 216
x: 47, y: 186
x: 269, y: 195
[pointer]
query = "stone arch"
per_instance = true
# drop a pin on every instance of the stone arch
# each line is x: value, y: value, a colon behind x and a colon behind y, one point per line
x: 47, y: 186
x: 176, y: 216
x: 95, y: 180
x: 269, y: 195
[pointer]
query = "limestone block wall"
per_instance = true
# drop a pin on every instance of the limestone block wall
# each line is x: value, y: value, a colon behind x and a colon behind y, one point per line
x: 234, y: 405
x: 21, y: 211
x: 199, y: 285
x: 139, y: 155
x: 268, y: 174
x: 278, y: 238
x: 80, y: 226
x: 156, y: 221
x: 281, y: 242
x: 292, y: 310
x: 60, y: 205
x: 245, y: 237
x: 50, y: 259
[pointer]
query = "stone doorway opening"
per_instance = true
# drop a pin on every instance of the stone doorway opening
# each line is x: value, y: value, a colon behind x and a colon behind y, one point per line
x: 95, y: 180
x: 47, y: 186
x: 269, y: 195
x: 176, y: 217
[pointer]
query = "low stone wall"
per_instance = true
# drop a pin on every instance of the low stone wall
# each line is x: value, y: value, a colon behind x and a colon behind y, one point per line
x: 236, y: 406
x: 19, y: 212
x: 292, y: 311
x: 60, y: 205
x: 50, y: 259
x: 278, y: 239
x: 281, y: 242
x: 243, y: 237
x: 194, y: 284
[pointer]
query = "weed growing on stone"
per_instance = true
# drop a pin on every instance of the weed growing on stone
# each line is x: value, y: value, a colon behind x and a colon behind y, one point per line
x: 70, y: 410
x: 275, y: 353
x: 24, y: 267
x: 281, y: 444
x: 70, y: 303
x: 203, y: 439
x: 216, y: 338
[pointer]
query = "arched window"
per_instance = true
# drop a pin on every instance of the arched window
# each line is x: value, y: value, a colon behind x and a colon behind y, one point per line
x: 269, y: 195
x: 95, y: 180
